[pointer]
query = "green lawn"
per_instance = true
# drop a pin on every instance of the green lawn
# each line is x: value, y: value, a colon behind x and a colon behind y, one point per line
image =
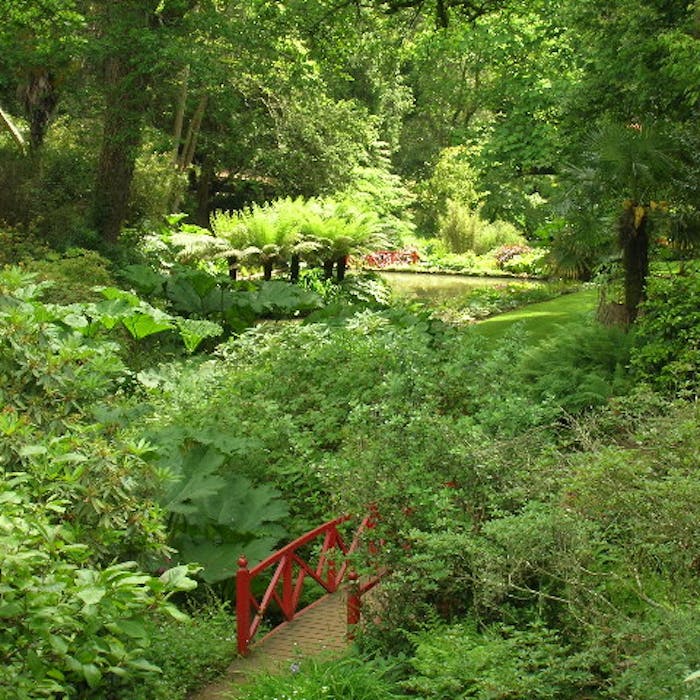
x: 540, y: 319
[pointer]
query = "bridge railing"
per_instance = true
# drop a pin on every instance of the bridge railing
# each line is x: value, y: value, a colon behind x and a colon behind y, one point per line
x: 291, y: 569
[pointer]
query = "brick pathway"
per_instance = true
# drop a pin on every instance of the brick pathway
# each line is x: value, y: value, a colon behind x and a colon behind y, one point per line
x: 320, y: 628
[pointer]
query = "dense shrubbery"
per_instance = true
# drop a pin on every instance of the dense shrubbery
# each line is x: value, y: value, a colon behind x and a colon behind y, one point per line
x: 78, y: 494
x: 666, y: 349
x: 538, y: 518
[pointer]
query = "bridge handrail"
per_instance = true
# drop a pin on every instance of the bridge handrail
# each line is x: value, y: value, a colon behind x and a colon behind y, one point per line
x: 326, y: 573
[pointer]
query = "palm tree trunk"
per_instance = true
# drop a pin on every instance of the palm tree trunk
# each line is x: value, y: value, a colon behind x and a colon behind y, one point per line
x: 267, y: 270
x: 328, y: 269
x: 634, y: 241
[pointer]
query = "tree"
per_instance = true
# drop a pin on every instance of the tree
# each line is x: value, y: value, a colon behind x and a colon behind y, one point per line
x: 631, y: 170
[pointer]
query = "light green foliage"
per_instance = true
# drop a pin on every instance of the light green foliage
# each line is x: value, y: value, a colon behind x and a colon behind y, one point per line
x: 453, y: 179
x: 350, y: 678
x: 151, y: 189
x: 484, y: 302
x: 666, y: 345
x: 55, y: 383
x: 381, y: 191
x: 462, y: 229
x: 69, y: 628
x: 316, y: 231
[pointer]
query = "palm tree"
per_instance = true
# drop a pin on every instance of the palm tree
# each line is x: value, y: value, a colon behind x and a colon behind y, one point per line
x: 628, y: 175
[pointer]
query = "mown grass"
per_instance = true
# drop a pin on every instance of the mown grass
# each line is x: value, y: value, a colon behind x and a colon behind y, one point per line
x: 541, y: 319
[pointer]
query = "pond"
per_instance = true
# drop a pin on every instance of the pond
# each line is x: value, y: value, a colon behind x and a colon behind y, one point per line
x: 439, y: 287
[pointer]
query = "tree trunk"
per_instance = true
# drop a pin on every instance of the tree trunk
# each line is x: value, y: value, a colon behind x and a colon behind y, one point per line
x: 40, y: 98
x: 267, y: 270
x: 11, y: 127
x: 120, y: 144
x: 180, y: 115
x: 328, y: 269
x: 342, y: 266
x: 206, y: 176
x: 193, y: 134
x: 294, y: 265
x: 634, y: 241
x: 232, y: 267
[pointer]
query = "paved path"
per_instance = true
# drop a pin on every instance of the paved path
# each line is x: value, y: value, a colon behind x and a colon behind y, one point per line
x: 320, y: 628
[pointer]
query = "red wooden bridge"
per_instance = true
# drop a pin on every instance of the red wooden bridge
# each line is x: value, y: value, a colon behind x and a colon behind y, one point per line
x: 306, y: 596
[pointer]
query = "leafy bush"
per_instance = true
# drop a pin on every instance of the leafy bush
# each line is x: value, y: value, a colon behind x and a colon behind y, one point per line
x: 52, y: 198
x: 215, y: 514
x: 453, y: 179
x: 657, y: 655
x: 501, y: 662
x: 666, y: 347
x: 69, y: 629
x: 74, y: 274
x: 463, y: 229
x: 189, y: 653
x: 350, y: 678
x: 580, y: 367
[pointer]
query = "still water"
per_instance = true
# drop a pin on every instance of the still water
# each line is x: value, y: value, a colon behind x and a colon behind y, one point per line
x: 438, y: 286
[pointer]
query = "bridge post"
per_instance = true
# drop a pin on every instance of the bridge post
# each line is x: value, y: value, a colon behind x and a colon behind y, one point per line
x: 354, y: 603
x: 243, y: 606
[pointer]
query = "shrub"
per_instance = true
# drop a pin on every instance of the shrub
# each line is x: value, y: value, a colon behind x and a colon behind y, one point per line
x: 500, y: 663
x: 453, y: 179
x: 655, y: 654
x: 462, y: 229
x: 74, y: 274
x: 495, y: 234
x: 458, y: 227
x: 190, y: 653
x: 350, y: 678
x: 51, y: 197
x: 580, y: 367
x: 69, y: 630
x: 666, y: 347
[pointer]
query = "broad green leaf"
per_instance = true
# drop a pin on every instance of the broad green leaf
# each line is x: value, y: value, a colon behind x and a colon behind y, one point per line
x: 198, y: 480
x: 193, y: 331
x: 144, y: 278
x: 142, y: 325
x: 131, y: 628
x: 220, y: 561
x: 91, y: 596
x: 92, y: 674
x: 178, y: 578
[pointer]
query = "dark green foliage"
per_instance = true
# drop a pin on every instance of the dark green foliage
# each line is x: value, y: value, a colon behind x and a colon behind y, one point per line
x: 577, y: 369
x: 189, y: 654
x: 215, y: 514
x: 658, y: 653
x: 197, y: 294
x: 494, y: 664
x: 666, y: 345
